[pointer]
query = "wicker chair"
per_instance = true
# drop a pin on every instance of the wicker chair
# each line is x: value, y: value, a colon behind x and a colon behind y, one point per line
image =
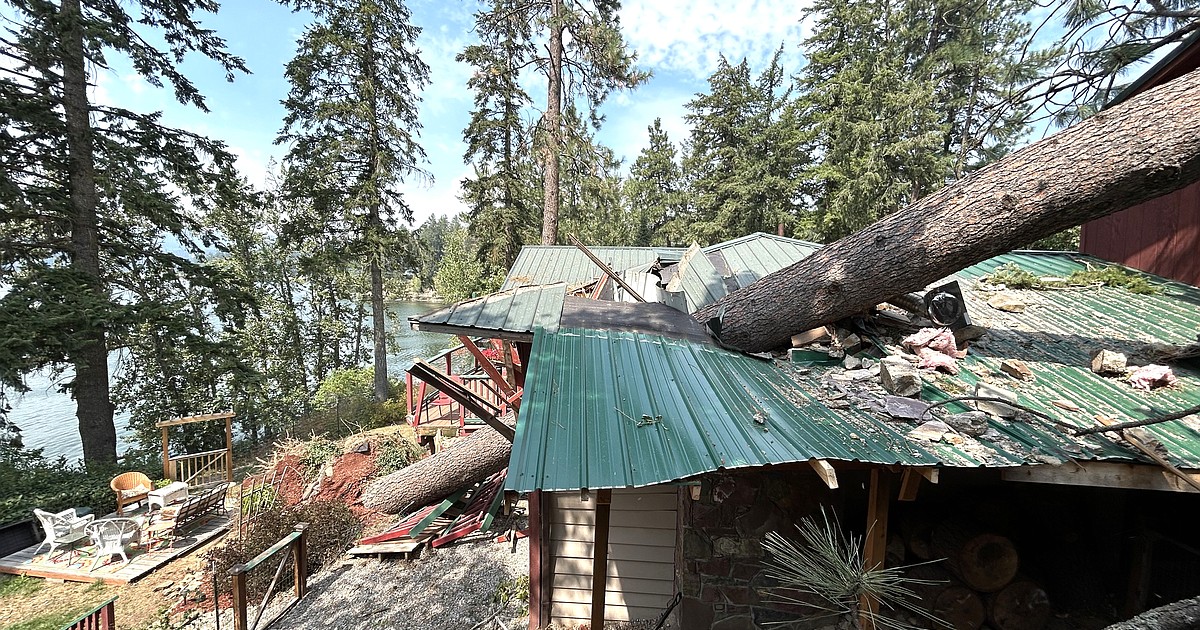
x: 131, y: 487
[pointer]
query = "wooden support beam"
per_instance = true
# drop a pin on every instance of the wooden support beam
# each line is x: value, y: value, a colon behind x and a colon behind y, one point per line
x: 1149, y: 451
x: 229, y: 448
x: 490, y: 369
x: 166, y: 452
x: 875, y: 547
x: 1105, y: 475
x: 600, y: 556
x: 930, y: 474
x: 606, y: 269
x: 910, y: 482
x: 524, y: 350
x: 190, y: 419
x: 463, y: 396
x: 825, y: 472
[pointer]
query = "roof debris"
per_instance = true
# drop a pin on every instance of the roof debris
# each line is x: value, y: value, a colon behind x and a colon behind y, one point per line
x: 1152, y: 376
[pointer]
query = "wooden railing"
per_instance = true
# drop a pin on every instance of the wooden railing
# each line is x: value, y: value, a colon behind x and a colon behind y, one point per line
x: 298, y: 544
x: 197, y: 469
x: 100, y: 618
x: 425, y: 403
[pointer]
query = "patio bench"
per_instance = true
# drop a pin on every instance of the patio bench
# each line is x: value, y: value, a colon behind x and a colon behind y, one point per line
x: 196, y: 506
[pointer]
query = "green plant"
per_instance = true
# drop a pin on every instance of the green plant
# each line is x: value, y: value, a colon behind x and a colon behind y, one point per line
x: 510, y: 590
x: 28, y: 480
x: 51, y: 621
x: 827, y: 572
x: 19, y: 586
x: 395, y: 455
x: 261, y: 498
x: 332, y: 527
x: 1014, y: 277
x: 317, y: 451
x: 161, y: 483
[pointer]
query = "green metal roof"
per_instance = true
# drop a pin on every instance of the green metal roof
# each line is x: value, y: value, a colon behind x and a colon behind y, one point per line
x: 545, y: 264
x: 583, y: 421
x: 512, y: 314
x: 751, y: 257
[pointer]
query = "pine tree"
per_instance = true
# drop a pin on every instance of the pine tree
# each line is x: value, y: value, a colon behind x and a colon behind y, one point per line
x: 498, y: 139
x: 653, y: 191
x: 744, y: 154
x: 590, y: 187
x: 352, y: 125
x: 90, y: 194
x: 874, y: 122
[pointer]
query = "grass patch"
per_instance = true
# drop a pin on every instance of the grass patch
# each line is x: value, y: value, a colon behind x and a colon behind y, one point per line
x: 19, y: 586
x: 52, y: 621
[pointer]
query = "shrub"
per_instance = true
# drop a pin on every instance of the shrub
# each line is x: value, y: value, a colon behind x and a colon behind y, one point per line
x: 332, y: 527
x: 345, y: 402
x: 29, y: 480
x: 317, y: 452
x: 395, y: 455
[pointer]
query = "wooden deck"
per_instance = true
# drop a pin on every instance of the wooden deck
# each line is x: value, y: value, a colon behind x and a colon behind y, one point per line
x: 74, y: 567
x: 443, y: 420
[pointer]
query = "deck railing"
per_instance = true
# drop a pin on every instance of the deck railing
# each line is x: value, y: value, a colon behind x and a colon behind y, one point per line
x: 424, y: 403
x: 100, y: 618
x: 197, y: 469
x: 296, y: 542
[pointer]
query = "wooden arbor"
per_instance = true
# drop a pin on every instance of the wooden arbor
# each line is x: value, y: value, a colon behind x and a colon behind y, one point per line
x: 199, y: 468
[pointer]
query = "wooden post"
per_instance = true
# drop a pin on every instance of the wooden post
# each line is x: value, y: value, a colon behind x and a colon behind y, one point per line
x: 524, y: 350
x: 408, y: 385
x: 486, y: 365
x: 166, y: 456
x: 108, y: 619
x: 300, y: 559
x: 238, y: 575
x: 229, y: 449
x: 875, y: 547
x: 538, y: 598
x: 600, y: 557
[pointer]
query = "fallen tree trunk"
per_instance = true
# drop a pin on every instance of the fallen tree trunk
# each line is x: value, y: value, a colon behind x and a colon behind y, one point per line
x: 467, y: 462
x: 1181, y: 615
x: 1139, y: 150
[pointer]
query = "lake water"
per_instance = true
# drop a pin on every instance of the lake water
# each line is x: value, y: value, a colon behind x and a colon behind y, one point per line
x: 47, y: 418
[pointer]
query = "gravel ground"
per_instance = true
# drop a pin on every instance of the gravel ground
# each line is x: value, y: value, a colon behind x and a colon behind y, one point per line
x: 451, y: 588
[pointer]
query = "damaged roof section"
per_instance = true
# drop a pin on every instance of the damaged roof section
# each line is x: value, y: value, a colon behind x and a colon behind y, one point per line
x: 512, y: 314
x: 617, y: 409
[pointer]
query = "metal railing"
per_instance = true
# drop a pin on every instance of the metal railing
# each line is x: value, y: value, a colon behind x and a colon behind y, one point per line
x: 197, y: 469
x: 297, y: 543
x: 425, y: 403
x: 101, y: 617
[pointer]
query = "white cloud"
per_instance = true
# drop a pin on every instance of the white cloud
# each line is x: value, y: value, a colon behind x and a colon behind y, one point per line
x: 439, y: 199
x: 691, y: 38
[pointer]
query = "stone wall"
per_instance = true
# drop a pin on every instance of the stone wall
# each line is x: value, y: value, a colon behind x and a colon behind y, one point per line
x: 720, y: 564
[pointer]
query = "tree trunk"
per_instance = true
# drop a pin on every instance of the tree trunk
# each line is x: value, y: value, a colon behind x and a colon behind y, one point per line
x: 1181, y: 615
x: 1142, y: 149
x: 377, y: 318
x: 468, y: 461
x: 983, y: 561
x: 1022, y: 605
x: 90, y: 385
x: 552, y: 125
x: 958, y: 607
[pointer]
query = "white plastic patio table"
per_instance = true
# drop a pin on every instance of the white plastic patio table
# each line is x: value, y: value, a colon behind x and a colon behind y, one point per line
x: 168, y: 494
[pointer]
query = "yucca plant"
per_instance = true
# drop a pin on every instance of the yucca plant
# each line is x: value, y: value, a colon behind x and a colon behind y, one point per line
x: 825, y: 570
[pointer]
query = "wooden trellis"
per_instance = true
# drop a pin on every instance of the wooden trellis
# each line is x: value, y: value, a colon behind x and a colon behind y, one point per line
x: 198, y: 468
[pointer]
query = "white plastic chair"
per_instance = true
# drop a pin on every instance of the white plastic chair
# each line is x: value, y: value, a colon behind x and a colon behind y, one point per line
x: 61, y: 528
x: 113, y: 536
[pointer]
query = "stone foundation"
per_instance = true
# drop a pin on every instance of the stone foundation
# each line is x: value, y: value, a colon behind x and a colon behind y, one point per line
x: 721, y: 571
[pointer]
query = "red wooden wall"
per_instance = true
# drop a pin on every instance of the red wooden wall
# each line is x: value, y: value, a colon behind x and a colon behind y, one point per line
x: 1161, y: 236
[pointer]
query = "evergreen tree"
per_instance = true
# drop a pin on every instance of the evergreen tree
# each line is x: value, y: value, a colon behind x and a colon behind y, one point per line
x: 498, y: 140
x: 352, y: 125
x: 90, y: 195
x: 591, y: 187
x: 653, y: 192
x: 459, y: 275
x: 875, y: 126
x: 744, y: 154
x: 585, y: 59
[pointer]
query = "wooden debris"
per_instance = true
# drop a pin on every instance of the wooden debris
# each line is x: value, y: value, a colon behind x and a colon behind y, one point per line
x: 1016, y: 369
x: 1066, y: 404
x: 996, y: 409
x: 810, y: 336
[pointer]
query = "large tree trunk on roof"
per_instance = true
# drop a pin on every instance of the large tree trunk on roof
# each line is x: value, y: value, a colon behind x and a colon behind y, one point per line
x: 468, y: 461
x: 1142, y: 149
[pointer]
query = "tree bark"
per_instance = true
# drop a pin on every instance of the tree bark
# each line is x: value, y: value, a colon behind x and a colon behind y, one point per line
x: 552, y: 124
x: 1022, y: 605
x: 1142, y: 149
x: 1181, y: 615
x: 469, y: 461
x: 983, y: 561
x: 90, y: 386
x: 375, y: 227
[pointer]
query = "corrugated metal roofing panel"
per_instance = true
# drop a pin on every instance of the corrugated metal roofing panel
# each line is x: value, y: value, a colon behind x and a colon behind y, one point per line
x: 544, y: 264
x: 583, y: 422
x: 760, y: 254
x: 514, y: 312
x: 699, y: 280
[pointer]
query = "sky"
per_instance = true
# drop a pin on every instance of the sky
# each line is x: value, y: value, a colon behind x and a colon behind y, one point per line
x: 680, y: 43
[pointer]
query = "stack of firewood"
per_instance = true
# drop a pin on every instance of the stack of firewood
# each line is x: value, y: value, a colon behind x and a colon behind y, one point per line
x: 974, y: 582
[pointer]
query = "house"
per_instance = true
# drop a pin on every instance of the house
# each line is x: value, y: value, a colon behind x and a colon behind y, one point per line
x: 1160, y: 236
x: 656, y: 461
